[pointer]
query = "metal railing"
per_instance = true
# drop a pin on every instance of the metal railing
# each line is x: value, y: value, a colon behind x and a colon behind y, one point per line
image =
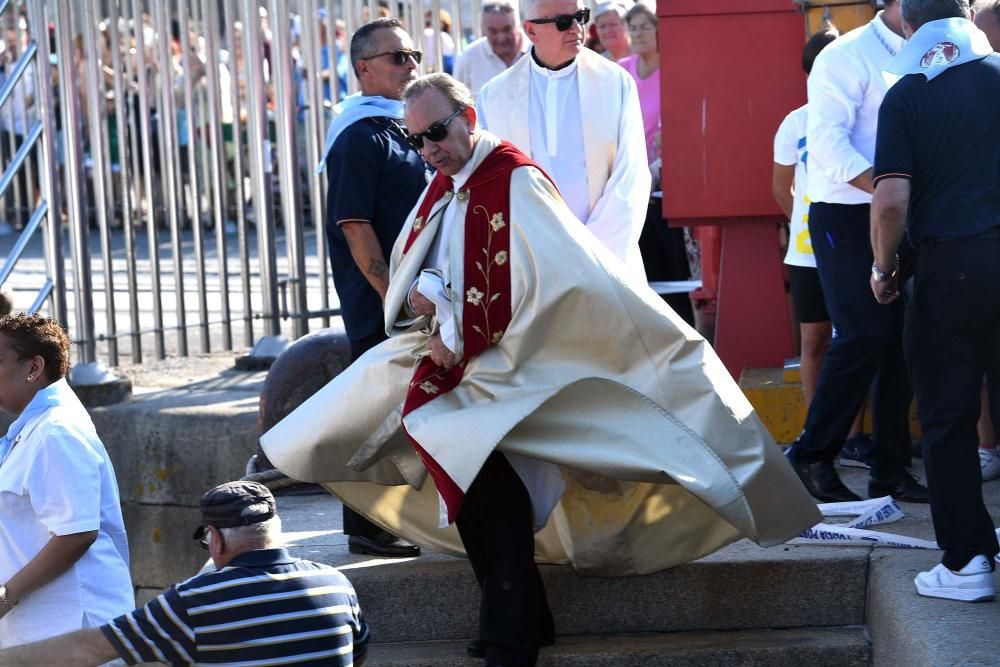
x: 26, y: 77
x: 181, y: 136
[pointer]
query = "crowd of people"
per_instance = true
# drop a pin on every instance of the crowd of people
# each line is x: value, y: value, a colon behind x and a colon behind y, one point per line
x: 486, y: 244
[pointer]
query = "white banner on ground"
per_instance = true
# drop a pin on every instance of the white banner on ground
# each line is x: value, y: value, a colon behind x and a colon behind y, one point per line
x: 867, y: 513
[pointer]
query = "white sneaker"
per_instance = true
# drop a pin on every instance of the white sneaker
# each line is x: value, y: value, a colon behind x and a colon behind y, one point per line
x: 989, y: 463
x: 973, y: 583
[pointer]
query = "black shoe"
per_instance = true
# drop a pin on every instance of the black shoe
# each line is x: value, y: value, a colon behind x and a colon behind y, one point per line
x: 901, y: 487
x: 384, y: 545
x: 477, y: 648
x: 822, y: 482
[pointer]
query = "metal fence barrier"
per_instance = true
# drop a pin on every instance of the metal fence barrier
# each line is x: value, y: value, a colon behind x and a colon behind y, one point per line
x: 172, y: 153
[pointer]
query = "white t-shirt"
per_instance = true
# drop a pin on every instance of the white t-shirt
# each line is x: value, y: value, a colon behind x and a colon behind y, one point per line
x: 58, y: 480
x: 789, y: 149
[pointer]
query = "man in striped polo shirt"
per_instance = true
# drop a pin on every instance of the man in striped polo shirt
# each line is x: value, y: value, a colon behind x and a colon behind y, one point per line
x: 260, y: 606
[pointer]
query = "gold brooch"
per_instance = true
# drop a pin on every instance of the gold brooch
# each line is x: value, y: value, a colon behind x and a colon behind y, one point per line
x: 463, y: 195
x: 418, y: 224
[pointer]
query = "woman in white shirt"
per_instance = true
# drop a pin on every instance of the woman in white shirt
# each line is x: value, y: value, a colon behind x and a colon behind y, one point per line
x: 63, y: 550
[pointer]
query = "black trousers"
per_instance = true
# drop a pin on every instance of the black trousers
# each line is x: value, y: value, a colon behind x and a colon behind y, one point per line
x: 354, y: 523
x: 496, y: 527
x: 866, y: 350
x: 952, y: 339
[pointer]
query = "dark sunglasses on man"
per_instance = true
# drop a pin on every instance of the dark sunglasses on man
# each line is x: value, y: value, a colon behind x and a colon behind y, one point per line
x: 436, y: 132
x: 399, y: 57
x: 564, y: 21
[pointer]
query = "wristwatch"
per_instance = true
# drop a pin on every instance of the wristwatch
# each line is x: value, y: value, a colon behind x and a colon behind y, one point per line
x: 881, y: 276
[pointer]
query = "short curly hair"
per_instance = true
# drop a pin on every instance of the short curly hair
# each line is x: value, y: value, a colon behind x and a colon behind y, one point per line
x: 34, y: 335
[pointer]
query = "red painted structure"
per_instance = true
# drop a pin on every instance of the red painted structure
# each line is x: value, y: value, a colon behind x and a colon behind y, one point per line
x: 730, y: 71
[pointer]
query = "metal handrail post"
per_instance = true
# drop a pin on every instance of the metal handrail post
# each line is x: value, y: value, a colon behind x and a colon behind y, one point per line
x: 146, y: 133
x: 261, y: 175
x: 170, y: 161
x: 314, y: 122
x: 458, y: 35
x: 48, y: 168
x: 332, y: 52
x: 438, y: 39
x: 194, y: 190
x: 238, y: 193
x: 75, y: 183
x: 125, y: 142
x: 288, y: 170
x: 418, y: 32
x: 210, y: 13
x: 100, y: 170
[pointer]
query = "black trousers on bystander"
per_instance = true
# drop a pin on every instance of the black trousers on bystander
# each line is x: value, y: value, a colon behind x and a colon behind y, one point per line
x: 952, y: 339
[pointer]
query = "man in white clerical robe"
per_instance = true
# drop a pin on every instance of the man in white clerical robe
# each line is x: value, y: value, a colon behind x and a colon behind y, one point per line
x: 518, y: 341
x: 577, y: 115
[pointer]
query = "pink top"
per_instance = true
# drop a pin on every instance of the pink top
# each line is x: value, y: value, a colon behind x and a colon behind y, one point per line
x: 649, y: 101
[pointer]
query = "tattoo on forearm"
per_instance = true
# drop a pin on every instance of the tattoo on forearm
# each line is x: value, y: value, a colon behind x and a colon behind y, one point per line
x: 377, y: 268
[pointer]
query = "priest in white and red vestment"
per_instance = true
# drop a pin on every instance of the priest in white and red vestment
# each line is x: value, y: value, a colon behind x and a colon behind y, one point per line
x: 526, y: 369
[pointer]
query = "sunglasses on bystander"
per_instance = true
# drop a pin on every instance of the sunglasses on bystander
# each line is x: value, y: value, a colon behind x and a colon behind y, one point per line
x: 399, y: 56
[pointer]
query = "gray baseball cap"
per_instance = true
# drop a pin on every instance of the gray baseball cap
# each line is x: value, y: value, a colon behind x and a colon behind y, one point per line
x: 235, y: 504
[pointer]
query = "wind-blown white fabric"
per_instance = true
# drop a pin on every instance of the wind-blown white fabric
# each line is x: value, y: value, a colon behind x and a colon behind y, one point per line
x: 614, y: 144
x: 663, y: 458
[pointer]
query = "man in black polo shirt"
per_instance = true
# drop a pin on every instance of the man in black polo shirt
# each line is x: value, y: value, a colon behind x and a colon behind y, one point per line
x: 937, y: 171
x: 259, y: 607
x: 374, y: 180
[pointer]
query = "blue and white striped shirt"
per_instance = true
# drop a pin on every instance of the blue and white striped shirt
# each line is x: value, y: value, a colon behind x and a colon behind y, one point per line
x: 263, y: 608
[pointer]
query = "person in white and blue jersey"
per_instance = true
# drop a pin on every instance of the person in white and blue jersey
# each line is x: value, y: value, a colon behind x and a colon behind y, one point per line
x: 260, y: 606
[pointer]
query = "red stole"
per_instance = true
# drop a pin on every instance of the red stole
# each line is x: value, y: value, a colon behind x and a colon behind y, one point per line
x: 486, y: 310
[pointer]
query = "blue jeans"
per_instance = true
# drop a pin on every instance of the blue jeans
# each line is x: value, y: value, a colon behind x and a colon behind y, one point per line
x: 866, y: 350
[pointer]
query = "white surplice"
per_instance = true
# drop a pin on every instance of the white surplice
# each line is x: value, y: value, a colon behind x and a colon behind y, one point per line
x: 613, y: 146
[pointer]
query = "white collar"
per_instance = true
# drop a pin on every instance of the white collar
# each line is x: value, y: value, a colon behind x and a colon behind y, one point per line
x: 892, y: 42
x: 459, y: 179
x: 547, y: 73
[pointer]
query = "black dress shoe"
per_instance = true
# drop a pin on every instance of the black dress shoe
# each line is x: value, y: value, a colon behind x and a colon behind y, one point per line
x: 384, y: 545
x: 477, y: 648
x: 901, y: 487
x: 822, y: 482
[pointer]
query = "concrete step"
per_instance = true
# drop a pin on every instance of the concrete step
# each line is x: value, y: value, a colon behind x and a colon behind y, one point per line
x: 827, y: 647
x: 742, y: 586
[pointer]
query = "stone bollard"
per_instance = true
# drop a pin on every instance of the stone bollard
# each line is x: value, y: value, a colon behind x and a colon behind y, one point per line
x: 298, y: 373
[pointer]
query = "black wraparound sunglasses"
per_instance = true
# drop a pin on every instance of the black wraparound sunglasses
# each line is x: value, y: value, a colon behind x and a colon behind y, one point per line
x: 436, y: 132
x: 564, y: 21
x: 399, y: 56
